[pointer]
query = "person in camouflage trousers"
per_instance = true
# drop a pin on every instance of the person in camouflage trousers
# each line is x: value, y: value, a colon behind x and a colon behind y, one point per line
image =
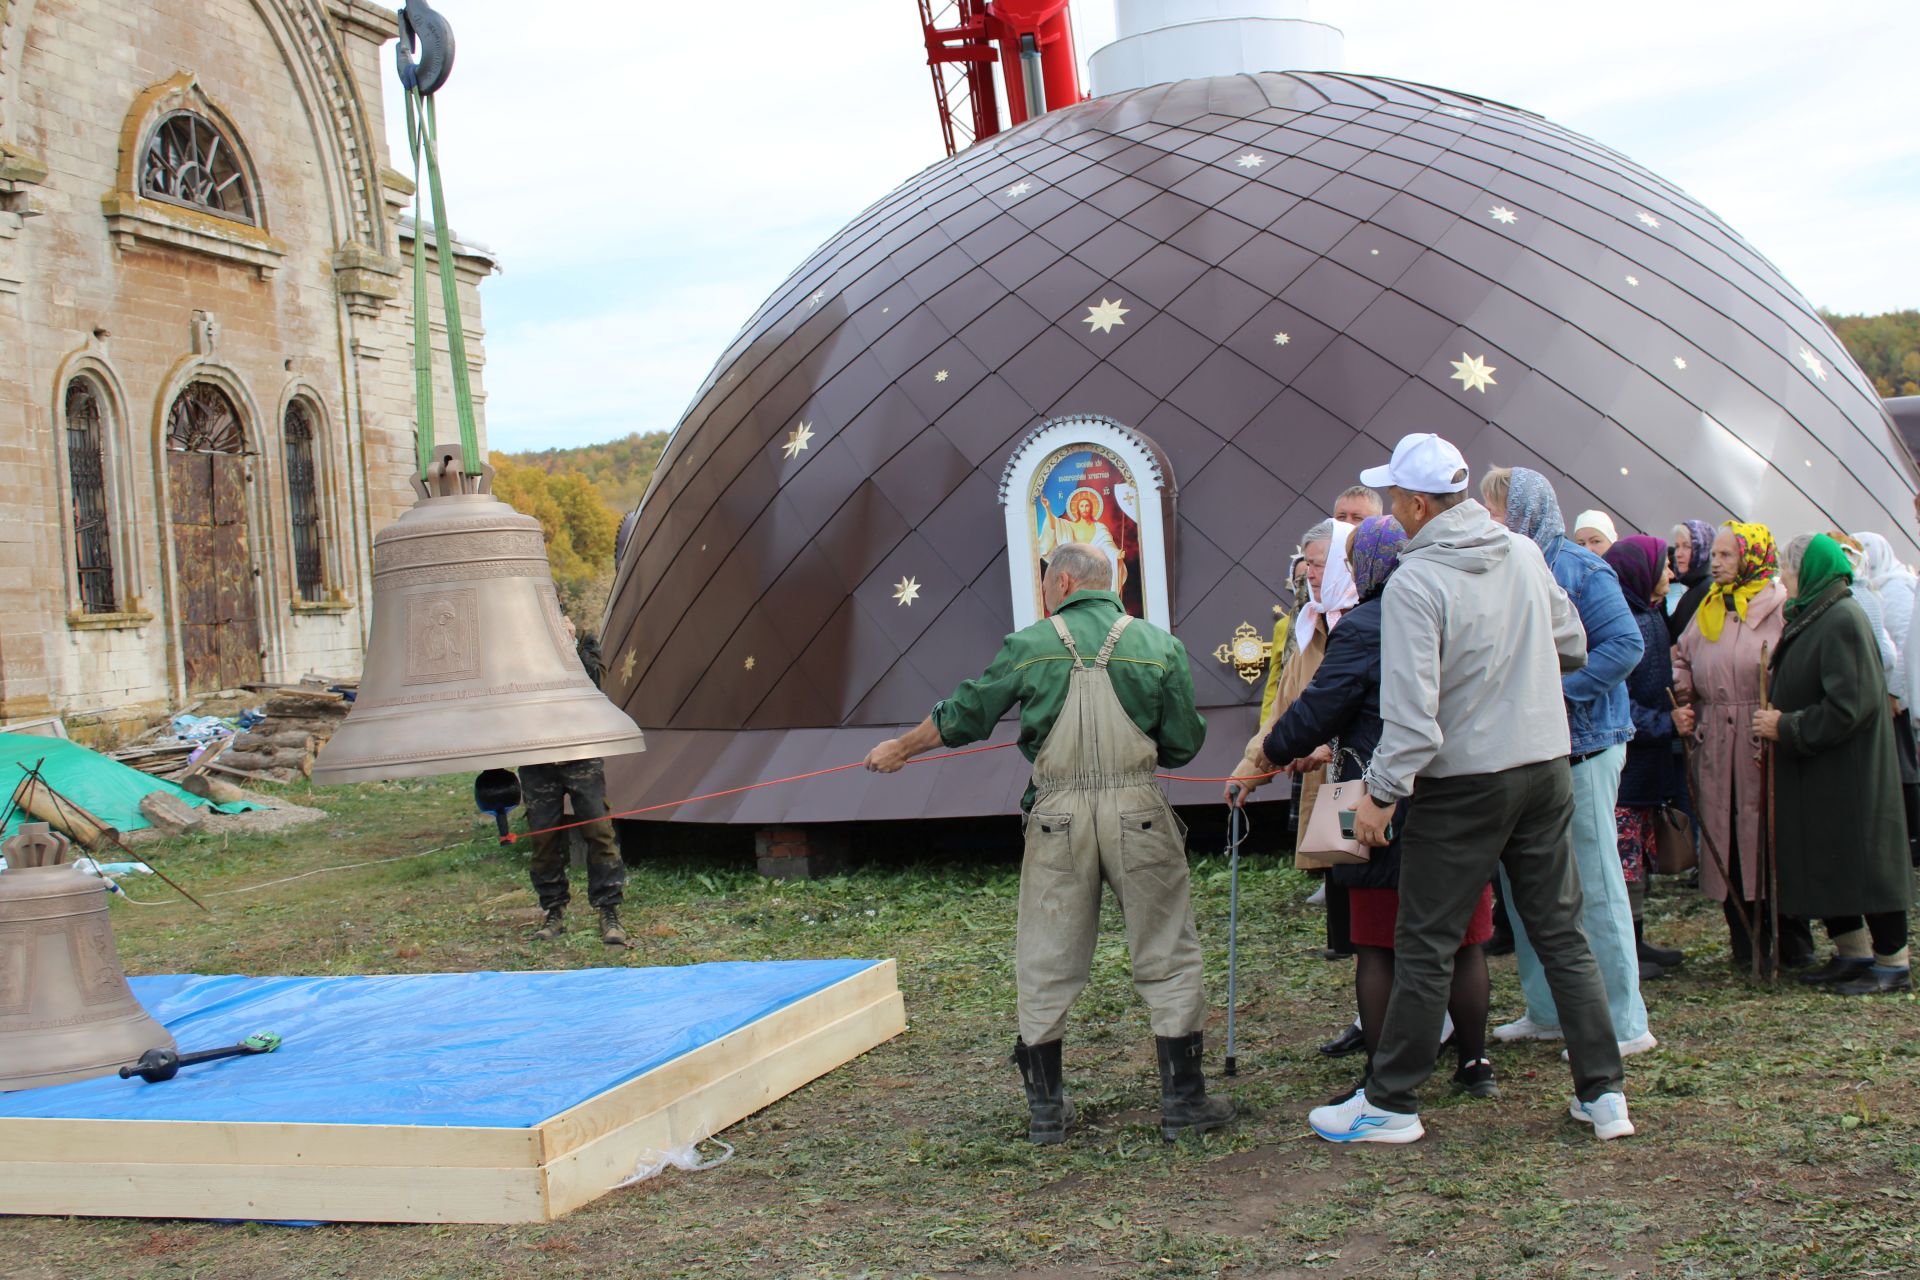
x: 544, y: 788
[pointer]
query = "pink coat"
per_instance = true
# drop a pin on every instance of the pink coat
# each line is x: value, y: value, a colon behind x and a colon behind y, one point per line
x: 1724, y: 678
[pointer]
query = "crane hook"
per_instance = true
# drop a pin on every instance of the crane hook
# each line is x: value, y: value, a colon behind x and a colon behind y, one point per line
x: 421, y: 26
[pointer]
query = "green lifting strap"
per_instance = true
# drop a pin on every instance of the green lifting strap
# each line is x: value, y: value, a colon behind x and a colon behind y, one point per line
x: 422, y: 132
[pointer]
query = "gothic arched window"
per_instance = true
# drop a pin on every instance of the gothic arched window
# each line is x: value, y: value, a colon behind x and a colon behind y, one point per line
x: 303, y: 503
x: 188, y: 161
x: 87, y: 482
x: 203, y: 420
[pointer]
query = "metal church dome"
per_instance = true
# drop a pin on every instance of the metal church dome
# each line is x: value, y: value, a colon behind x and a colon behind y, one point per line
x: 1261, y: 282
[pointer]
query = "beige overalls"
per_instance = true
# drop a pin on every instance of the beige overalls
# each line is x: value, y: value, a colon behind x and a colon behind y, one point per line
x: 1098, y: 814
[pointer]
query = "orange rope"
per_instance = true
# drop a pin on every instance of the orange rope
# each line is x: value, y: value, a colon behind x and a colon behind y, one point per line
x: 512, y: 838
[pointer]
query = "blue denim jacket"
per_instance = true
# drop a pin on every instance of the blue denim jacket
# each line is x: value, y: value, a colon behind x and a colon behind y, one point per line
x: 1599, y: 712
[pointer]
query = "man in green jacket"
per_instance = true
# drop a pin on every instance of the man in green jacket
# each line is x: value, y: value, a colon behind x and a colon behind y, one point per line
x: 1105, y: 700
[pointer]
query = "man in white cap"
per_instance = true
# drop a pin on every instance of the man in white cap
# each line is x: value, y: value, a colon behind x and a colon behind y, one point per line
x: 1473, y: 729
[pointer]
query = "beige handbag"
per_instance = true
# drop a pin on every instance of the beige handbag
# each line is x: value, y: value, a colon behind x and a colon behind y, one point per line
x: 1323, y: 838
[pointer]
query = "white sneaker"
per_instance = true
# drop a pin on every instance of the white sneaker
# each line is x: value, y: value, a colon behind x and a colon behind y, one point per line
x: 1357, y: 1120
x: 1639, y: 1044
x: 1525, y: 1028
x: 1318, y: 898
x: 1606, y: 1113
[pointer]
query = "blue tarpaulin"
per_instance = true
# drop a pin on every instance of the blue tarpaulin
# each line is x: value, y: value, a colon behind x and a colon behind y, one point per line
x: 489, y: 1049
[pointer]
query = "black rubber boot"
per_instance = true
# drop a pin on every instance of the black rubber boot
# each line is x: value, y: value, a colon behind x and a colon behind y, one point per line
x: 1184, y: 1104
x: 1665, y: 957
x: 553, y: 926
x: 1049, y: 1111
x: 1838, y: 968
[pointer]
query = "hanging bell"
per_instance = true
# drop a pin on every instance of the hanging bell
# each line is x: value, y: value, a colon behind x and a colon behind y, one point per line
x: 471, y: 664
x: 66, y: 1012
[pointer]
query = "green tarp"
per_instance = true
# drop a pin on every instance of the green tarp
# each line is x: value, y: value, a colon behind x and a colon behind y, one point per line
x: 107, y: 789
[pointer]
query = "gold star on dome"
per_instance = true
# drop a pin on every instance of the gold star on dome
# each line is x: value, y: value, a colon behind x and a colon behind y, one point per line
x: 1634, y: 281
x: 1018, y: 189
x: 1814, y: 364
x: 940, y: 376
x: 1251, y: 160
x: 1103, y: 317
x: 798, y: 439
x: 626, y: 668
x: 1679, y: 362
x: 1458, y: 112
x: 814, y: 301
x: 1648, y: 219
x: 748, y: 664
x: 1473, y: 373
x: 1503, y: 215
x: 1282, y: 339
x: 906, y: 591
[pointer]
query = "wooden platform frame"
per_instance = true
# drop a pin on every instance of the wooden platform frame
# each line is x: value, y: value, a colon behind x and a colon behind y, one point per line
x: 425, y: 1173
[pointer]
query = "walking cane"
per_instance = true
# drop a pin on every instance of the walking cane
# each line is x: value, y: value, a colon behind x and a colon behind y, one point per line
x: 1713, y: 849
x: 1772, y: 879
x: 1236, y: 819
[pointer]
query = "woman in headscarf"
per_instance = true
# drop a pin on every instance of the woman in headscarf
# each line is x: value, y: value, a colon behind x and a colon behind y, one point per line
x: 1867, y: 598
x: 1836, y: 783
x: 1342, y: 707
x: 1689, y: 552
x: 1648, y: 781
x: 1716, y: 677
x: 1896, y: 585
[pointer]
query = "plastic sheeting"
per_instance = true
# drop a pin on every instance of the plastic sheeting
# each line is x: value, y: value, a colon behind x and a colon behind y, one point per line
x: 107, y: 789
x: 503, y: 1050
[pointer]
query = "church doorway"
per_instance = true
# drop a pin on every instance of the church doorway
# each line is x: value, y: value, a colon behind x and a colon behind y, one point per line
x: 214, y: 596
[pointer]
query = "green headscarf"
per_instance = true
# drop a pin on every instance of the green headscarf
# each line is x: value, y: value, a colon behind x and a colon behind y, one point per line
x: 1821, y: 565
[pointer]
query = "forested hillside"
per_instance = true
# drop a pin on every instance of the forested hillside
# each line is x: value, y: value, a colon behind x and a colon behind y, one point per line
x: 619, y: 469
x: 1887, y: 347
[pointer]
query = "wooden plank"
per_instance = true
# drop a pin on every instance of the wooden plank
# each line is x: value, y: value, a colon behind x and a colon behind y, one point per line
x: 590, y: 1171
x: 397, y: 1193
x: 192, y: 1142
x: 695, y: 1070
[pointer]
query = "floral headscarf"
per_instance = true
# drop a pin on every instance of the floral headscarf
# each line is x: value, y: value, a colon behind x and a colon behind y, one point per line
x: 1700, y: 534
x: 1758, y: 564
x: 1336, y: 594
x: 1375, y: 553
x: 1532, y: 509
x: 1637, y: 560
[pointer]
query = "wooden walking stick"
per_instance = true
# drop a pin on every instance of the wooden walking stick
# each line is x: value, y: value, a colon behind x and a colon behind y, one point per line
x: 1713, y: 848
x: 1772, y: 878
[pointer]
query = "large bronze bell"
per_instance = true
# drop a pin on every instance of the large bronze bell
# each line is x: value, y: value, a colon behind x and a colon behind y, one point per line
x: 470, y: 665
x: 65, y: 1010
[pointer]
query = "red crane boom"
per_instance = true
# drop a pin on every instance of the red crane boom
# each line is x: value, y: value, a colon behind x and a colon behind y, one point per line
x: 1031, y: 40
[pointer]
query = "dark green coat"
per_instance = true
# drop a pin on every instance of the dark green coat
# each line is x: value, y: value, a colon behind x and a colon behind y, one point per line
x: 1837, y: 806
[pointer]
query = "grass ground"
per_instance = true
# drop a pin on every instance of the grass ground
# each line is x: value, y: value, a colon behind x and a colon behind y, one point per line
x: 1778, y: 1127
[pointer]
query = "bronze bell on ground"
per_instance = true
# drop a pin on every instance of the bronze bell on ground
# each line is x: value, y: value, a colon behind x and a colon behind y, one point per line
x: 470, y: 664
x: 65, y: 1010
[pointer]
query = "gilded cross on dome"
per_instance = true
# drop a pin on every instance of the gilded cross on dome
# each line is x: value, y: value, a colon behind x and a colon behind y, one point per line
x: 1473, y: 373
x: 1103, y: 317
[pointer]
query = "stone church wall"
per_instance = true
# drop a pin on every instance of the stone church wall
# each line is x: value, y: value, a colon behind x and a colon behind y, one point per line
x: 142, y: 299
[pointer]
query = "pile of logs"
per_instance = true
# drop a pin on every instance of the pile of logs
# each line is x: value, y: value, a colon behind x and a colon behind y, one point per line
x: 299, y: 720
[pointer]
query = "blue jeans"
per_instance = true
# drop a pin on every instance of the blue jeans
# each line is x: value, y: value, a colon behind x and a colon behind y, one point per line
x: 1606, y: 918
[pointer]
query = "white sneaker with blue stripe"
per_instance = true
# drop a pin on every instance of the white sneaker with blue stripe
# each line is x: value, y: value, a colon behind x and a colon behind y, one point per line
x: 1606, y: 1113
x: 1357, y: 1120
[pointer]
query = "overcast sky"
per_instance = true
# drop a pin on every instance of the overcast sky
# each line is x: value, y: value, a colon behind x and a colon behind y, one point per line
x: 648, y: 173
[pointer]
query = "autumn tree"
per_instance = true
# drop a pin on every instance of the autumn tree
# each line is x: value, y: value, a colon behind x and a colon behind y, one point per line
x: 579, y: 528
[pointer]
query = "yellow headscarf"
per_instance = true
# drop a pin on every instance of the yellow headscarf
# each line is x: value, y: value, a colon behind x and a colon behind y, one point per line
x: 1758, y: 563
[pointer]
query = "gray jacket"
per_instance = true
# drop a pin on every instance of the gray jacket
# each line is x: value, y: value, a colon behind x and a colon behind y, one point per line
x: 1476, y: 636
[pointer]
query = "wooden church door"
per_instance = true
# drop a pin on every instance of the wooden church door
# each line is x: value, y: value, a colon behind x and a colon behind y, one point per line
x: 213, y: 568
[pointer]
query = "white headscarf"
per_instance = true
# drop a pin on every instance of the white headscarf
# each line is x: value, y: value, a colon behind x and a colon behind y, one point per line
x: 1336, y: 594
x: 1883, y: 566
